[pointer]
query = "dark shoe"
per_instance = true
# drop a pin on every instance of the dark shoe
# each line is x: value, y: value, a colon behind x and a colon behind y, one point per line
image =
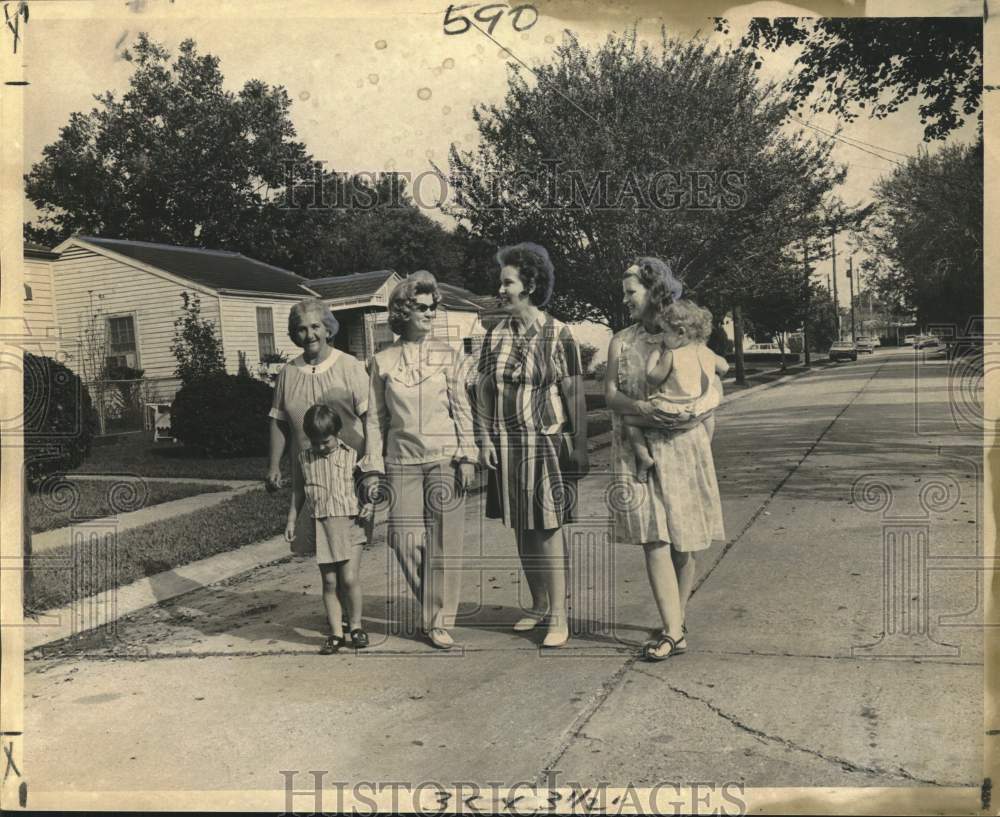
x: 652, y: 650
x: 332, y: 645
x: 359, y: 638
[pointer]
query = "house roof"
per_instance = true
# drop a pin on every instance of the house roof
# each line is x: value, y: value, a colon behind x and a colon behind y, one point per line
x: 33, y: 250
x: 216, y: 269
x: 359, y: 285
x: 458, y: 299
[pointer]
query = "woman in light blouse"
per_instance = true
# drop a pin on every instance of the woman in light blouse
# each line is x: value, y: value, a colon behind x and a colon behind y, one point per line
x: 419, y: 432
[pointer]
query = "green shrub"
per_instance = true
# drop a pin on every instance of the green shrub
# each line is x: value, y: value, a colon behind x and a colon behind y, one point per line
x: 59, y: 422
x: 223, y: 415
x: 587, y: 352
x: 600, y: 370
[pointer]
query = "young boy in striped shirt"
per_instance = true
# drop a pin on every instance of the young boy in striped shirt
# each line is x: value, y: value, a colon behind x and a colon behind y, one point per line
x: 328, y: 482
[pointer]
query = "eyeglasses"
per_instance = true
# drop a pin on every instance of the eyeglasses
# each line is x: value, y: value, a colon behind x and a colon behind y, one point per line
x: 424, y: 308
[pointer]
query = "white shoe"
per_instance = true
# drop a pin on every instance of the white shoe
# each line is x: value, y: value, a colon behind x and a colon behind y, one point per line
x: 556, y: 637
x: 529, y: 622
x: 441, y: 638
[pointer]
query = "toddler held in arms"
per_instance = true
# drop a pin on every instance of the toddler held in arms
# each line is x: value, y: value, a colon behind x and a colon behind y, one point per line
x: 682, y: 378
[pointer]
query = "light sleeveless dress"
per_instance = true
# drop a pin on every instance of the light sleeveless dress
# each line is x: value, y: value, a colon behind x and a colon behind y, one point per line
x: 680, y: 503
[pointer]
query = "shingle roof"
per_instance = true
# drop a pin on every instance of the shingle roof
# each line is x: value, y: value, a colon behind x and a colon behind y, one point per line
x: 457, y: 298
x: 216, y: 269
x: 358, y: 285
x: 37, y: 250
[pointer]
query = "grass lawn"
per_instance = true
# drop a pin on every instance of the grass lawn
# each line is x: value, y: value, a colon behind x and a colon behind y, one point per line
x: 96, y: 497
x: 138, y: 454
x: 156, y: 547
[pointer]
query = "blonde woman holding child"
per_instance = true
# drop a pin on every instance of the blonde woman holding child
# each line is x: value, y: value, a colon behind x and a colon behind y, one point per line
x: 669, y: 506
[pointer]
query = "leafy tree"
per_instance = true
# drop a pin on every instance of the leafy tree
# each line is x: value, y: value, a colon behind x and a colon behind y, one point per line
x: 822, y: 322
x: 925, y: 240
x: 598, y: 161
x: 880, y: 63
x: 196, y: 346
x: 180, y: 159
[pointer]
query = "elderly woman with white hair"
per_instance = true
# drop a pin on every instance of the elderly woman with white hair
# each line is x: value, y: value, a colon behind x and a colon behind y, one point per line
x: 321, y: 374
x: 421, y: 438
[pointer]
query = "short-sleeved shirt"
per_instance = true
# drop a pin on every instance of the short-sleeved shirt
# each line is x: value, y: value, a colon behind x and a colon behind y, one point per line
x: 329, y: 481
x: 524, y: 367
x: 419, y: 408
x: 339, y: 382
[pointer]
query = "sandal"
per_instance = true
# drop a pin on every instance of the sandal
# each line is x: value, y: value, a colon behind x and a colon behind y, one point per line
x: 359, y: 638
x: 332, y: 645
x: 650, y: 650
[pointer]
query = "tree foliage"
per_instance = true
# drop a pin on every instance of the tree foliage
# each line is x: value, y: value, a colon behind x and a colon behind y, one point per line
x: 858, y: 63
x: 926, y: 238
x: 599, y: 159
x: 180, y: 159
x: 196, y: 345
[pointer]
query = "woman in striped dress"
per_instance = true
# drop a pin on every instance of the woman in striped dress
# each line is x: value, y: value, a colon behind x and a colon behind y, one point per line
x: 530, y: 394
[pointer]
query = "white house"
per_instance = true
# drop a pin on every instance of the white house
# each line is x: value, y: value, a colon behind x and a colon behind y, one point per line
x: 40, y: 318
x: 361, y: 304
x: 117, y: 302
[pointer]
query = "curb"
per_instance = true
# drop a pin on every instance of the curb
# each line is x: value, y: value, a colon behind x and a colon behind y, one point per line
x: 103, y: 609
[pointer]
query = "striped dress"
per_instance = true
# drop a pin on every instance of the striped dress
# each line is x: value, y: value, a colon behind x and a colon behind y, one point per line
x: 523, y: 367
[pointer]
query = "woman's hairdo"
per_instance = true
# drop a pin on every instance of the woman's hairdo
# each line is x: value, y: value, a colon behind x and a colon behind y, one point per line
x: 303, y: 308
x: 658, y: 279
x: 321, y: 421
x: 535, y: 268
x: 686, y: 316
x: 404, y: 295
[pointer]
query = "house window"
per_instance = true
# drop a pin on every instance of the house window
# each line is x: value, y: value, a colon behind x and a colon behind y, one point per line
x: 382, y: 336
x: 467, y: 345
x: 27, y: 293
x: 265, y: 331
x: 121, y: 341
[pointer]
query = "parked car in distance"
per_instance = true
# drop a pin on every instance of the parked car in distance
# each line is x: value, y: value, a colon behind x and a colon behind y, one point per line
x: 931, y: 345
x: 843, y: 350
x: 865, y: 345
x: 909, y: 340
x: 877, y: 341
x: 764, y: 347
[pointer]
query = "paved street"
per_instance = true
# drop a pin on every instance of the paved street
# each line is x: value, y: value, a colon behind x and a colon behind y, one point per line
x: 222, y: 688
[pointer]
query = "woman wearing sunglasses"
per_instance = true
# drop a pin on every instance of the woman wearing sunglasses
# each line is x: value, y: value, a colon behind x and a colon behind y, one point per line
x: 421, y: 438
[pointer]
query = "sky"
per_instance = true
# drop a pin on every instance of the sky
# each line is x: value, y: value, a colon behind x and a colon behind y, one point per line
x: 379, y: 87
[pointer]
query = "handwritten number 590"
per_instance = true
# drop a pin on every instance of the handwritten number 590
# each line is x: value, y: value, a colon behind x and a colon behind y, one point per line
x: 491, y: 14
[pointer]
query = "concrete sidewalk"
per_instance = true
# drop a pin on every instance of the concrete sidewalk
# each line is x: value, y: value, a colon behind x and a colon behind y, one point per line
x: 780, y: 686
x: 58, y: 537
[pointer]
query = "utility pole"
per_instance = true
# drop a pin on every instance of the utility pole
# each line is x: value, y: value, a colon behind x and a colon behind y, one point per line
x: 850, y: 278
x: 805, y: 319
x: 836, y: 301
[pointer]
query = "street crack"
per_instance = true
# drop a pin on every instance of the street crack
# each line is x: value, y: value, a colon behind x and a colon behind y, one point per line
x: 759, y: 734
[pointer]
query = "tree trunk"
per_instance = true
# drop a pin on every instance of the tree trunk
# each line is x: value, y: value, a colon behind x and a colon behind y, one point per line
x: 738, y: 345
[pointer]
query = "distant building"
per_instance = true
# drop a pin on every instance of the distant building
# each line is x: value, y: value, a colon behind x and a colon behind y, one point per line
x: 41, y: 329
x: 110, y: 303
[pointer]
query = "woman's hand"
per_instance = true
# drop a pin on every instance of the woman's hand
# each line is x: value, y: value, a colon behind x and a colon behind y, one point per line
x: 644, y: 408
x: 370, y: 487
x: 488, y: 454
x: 273, y: 480
x: 290, y: 528
x: 466, y: 476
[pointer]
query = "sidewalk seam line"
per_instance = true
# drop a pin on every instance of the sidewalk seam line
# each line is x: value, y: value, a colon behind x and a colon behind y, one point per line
x: 781, y: 483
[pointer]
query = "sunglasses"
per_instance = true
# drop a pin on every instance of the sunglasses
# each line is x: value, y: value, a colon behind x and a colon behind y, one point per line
x: 424, y: 308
